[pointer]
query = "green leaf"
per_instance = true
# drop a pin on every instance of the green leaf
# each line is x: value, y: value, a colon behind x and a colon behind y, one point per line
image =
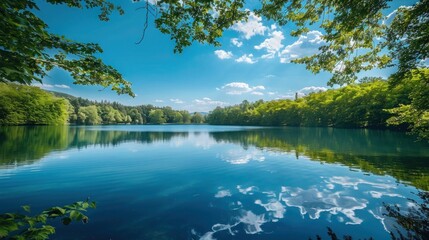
x: 26, y: 208
x: 76, y: 215
x: 92, y: 205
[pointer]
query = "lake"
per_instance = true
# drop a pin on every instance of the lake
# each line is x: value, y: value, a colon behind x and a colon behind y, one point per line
x: 213, y: 182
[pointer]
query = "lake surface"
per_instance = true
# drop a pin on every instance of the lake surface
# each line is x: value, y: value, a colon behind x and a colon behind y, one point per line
x: 213, y: 182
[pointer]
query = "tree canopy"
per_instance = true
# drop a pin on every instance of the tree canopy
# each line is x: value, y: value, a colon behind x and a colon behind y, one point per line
x: 358, y: 35
x: 28, y: 50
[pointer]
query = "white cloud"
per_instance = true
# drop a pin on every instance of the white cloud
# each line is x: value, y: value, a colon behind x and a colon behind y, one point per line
x: 246, y: 59
x: 204, y: 105
x: 209, y: 102
x: 271, y: 93
x: 288, y: 95
x: 306, y: 45
x: 272, y: 44
x: 41, y: 85
x: 159, y: 100
x: 311, y: 89
x: 257, y: 93
x: 45, y: 86
x: 253, y: 26
x: 221, y: 54
x: 238, y: 88
x: 177, y: 101
x: 62, y: 86
x: 236, y: 42
x: 270, y: 76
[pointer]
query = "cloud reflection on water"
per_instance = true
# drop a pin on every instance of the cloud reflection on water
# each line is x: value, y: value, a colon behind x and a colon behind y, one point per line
x: 222, y: 194
x: 313, y: 202
x: 343, y: 198
x: 241, y: 156
x: 252, y: 224
x: 334, y: 196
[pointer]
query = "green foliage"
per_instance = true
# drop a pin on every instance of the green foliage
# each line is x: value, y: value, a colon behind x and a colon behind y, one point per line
x: 21, y: 105
x: 201, y: 21
x: 357, y: 35
x: 186, y: 117
x: 407, y: 37
x: 28, y: 51
x: 415, y: 113
x: 372, y: 104
x: 22, y: 226
x: 170, y: 116
x: 354, y: 106
x: 116, y: 113
x: 350, y: 30
x: 156, y: 116
x: 417, y: 120
x: 110, y: 115
x: 136, y: 116
x: 88, y: 115
x: 197, y: 118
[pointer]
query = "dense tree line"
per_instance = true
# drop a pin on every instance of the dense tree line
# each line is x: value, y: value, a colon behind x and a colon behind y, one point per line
x: 84, y: 111
x: 374, y: 103
x: 27, y: 105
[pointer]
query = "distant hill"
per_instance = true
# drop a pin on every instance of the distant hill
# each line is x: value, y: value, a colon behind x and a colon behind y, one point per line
x: 63, y: 95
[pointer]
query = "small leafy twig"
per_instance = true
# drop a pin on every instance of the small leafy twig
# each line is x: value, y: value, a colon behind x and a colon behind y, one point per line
x: 22, y: 226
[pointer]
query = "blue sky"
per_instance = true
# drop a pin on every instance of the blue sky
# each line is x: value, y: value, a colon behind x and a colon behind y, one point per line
x: 252, y: 63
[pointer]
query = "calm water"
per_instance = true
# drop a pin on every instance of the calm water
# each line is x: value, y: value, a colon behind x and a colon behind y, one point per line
x: 213, y: 182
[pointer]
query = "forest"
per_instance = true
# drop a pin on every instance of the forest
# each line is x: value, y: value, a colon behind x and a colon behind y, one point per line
x: 372, y: 103
x: 28, y: 105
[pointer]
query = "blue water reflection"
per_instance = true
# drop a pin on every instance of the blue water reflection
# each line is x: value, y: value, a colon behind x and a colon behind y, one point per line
x: 205, y: 182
